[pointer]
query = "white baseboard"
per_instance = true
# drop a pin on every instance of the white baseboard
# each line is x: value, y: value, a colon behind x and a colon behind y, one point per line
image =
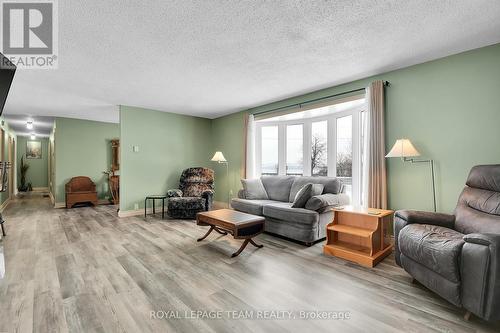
x: 40, y: 189
x: 4, y: 205
x: 60, y: 205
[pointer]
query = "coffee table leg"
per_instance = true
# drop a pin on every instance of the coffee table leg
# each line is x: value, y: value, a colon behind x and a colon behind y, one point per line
x: 245, y: 243
x: 208, y: 233
x: 255, y: 244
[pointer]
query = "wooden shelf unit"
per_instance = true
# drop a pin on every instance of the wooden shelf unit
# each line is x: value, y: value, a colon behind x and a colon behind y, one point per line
x: 359, y: 234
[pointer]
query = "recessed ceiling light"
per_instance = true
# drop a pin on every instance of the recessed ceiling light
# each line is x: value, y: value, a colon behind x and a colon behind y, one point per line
x: 29, y: 125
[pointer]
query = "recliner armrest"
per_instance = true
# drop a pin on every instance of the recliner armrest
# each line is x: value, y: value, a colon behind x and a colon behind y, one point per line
x: 484, y: 239
x: 174, y: 193
x: 480, y: 270
x: 208, y: 195
x: 421, y: 217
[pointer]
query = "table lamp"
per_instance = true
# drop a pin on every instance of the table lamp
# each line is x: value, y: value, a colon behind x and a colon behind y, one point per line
x: 404, y: 149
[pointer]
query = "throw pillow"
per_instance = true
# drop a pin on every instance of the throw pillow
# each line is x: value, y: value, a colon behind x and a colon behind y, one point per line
x: 305, y: 193
x: 321, y: 203
x: 254, y: 189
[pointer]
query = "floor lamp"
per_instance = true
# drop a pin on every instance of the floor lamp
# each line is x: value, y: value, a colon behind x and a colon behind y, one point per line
x: 219, y: 158
x: 404, y: 149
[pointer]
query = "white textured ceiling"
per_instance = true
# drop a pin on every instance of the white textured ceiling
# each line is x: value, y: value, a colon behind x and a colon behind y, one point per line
x: 211, y: 58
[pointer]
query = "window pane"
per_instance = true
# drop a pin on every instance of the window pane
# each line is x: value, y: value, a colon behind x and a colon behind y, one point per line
x: 344, y: 152
x: 294, y: 150
x: 319, y: 132
x: 269, y: 150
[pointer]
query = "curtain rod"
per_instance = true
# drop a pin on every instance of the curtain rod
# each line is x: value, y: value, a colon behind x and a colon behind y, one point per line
x: 386, y: 84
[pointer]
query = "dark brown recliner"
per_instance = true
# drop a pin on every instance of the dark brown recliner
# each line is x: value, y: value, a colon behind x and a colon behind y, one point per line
x: 458, y: 256
x: 80, y: 189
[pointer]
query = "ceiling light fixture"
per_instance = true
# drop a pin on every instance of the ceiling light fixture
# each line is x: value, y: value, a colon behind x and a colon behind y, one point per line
x: 33, y: 136
x: 29, y: 125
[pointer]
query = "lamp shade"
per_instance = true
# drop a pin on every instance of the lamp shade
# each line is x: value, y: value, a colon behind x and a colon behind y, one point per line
x: 403, y: 148
x: 218, y: 157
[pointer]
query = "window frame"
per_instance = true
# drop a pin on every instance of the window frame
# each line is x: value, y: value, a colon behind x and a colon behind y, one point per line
x: 306, y: 123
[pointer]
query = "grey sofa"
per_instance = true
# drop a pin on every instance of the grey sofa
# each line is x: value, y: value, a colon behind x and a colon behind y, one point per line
x: 301, y: 224
x: 458, y: 256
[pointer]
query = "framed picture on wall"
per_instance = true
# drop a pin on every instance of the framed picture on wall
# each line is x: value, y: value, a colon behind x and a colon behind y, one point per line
x: 33, y: 149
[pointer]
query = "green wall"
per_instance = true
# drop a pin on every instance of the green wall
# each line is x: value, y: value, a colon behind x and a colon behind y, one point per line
x: 7, y: 133
x: 449, y: 108
x: 38, y: 171
x: 228, y: 136
x: 167, y: 142
x: 82, y: 148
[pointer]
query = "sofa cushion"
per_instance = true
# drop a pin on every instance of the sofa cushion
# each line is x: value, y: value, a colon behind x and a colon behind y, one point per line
x: 437, y: 248
x: 254, y: 189
x: 284, y: 211
x: 278, y: 187
x: 305, y: 193
x: 250, y: 206
x: 321, y: 202
x: 331, y: 185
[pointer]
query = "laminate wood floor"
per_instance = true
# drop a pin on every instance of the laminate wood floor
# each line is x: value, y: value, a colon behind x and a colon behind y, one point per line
x: 86, y: 270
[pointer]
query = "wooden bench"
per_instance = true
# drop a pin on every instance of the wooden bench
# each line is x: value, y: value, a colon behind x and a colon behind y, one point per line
x: 80, y: 189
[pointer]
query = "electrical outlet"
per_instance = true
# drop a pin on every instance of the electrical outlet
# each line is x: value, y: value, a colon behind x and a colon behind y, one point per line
x: 136, y: 206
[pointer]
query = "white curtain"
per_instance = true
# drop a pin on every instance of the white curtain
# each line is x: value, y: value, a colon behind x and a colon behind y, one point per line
x: 365, y: 151
x: 374, y: 179
x: 250, y: 147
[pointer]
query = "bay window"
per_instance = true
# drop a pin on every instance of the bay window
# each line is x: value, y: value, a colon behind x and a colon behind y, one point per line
x: 323, y: 141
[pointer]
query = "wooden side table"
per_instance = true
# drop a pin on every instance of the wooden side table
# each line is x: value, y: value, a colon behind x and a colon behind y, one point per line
x: 359, y: 234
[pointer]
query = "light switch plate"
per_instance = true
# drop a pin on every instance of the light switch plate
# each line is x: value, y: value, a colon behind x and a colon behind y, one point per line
x: 135, y: 149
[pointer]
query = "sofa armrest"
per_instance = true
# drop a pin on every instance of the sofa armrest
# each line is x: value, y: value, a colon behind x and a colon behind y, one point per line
x: 241, y: 194
x: 174, y: 193
x: 480, y: 272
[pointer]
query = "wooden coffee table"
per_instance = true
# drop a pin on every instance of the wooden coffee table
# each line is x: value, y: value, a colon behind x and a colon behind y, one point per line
x: 240, y: 225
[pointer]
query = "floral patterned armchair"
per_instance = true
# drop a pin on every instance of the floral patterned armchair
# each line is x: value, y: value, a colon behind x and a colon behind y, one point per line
x: 195, y: 194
